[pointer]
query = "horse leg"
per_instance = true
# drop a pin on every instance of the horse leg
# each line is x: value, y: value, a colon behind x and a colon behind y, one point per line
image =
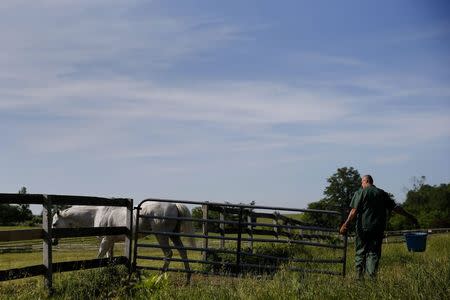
x: 105, y: 247
x: 163, y: 241
x: 183, y: 253
x: 110, y: 253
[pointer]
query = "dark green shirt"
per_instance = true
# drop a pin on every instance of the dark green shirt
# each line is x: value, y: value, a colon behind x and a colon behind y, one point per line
x: 372, y: 207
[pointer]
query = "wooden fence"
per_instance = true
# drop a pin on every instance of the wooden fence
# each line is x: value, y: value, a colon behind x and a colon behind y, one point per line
x: 47, y: 233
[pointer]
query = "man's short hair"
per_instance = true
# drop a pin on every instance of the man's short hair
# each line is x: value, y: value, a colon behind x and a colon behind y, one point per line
x: 369, y: 178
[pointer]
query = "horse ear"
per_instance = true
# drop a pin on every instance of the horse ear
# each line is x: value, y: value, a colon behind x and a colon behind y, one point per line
x: 58, y: 213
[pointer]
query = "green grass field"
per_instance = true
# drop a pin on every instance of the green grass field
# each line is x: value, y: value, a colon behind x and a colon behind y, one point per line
x: 403, y: 275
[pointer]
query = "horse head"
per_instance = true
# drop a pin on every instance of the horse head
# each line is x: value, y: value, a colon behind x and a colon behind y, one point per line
x: 61, y: 220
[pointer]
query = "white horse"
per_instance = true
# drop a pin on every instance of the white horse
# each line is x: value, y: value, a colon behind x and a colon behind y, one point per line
x: 110, y: 216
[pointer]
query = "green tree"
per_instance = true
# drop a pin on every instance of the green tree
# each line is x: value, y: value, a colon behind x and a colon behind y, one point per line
x: 338, y: 194
x: 15, y: 214
x: 9, y: 214
x: 25, y: 213
x: 341, y: 187
x: 23, y: 190
x: 430, y: 204
x: 197, y: 213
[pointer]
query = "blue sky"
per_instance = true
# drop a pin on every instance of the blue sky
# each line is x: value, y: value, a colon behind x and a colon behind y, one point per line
x: 222, y: 100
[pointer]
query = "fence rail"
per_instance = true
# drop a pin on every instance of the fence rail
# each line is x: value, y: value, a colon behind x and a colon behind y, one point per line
x: 18, y: 273
x: 429, y: 231
x: 21, y: 235
x: 273, y: 208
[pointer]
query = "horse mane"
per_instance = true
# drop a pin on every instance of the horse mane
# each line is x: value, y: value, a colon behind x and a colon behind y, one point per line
x: 64, y: 212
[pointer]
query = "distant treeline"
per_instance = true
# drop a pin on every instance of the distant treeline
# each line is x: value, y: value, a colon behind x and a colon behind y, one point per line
x: 429, y: 203
x: 11, y: 214
x: 14, y: 214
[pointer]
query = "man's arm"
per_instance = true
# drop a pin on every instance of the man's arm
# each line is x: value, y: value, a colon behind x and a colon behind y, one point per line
x: 351, y: 216
x: 400, y: 210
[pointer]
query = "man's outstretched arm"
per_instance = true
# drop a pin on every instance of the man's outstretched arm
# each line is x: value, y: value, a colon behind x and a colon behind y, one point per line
x: 351, y: 216
x: 400, y: 210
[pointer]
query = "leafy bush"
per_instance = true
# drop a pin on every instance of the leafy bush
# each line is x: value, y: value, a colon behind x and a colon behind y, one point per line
x: 150, y: 285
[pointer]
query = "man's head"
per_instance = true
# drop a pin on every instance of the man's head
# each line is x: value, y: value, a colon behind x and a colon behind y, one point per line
x: 366, y: 181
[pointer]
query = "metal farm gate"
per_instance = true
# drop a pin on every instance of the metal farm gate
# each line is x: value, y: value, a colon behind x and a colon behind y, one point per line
x: 233, y: 239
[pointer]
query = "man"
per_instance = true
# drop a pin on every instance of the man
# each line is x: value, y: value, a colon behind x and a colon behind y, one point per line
x: 370, y: 206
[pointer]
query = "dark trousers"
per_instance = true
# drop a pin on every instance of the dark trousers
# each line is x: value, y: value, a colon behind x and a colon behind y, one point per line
x: 367, y: 252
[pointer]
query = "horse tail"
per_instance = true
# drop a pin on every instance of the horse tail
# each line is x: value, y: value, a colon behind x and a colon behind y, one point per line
x: 186, y: 226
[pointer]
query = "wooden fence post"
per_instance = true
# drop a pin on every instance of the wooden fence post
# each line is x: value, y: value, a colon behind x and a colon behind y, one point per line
x: 289, y: 230
x: 222, y: 228
x: 47, y: 242
x: 275, y: 222
x: 205, y: 231
x: 250, y: 231
x: 239, y: 242
x: 136, y: 237
x: 129, y: 236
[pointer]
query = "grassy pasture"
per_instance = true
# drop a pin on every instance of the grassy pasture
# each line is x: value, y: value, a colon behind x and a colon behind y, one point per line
x: 403, y: 275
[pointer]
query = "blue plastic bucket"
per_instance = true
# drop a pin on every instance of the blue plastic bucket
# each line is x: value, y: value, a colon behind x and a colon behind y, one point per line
x: 416, y: 241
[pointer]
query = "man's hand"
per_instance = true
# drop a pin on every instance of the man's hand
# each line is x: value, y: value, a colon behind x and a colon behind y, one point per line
x: 351, y: 216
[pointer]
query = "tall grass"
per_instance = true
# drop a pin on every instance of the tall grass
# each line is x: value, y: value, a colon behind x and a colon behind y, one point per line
x: 402, y: 275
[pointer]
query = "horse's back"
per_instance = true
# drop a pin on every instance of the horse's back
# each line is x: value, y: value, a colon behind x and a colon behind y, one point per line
x: 110, y: 216
x: 159, y: 209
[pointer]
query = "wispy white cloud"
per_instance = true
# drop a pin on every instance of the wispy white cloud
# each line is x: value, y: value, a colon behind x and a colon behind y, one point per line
x: 224, y: 102
x: 434, y: 31
x: 391, y: 86
x: 106, y: 125
x: 69, y: 39
x: 325, y: 59
x: 390, y: 130
x: 235, y: 107
x: 240, y: 109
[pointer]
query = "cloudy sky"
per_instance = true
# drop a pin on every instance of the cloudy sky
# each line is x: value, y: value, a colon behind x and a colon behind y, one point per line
x: 222, y: 100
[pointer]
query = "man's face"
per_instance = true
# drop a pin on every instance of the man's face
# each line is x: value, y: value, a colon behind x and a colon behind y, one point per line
x: 364, y: 182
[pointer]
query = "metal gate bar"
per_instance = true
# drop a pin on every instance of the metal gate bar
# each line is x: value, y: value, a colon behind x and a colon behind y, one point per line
x: 324, y: 261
